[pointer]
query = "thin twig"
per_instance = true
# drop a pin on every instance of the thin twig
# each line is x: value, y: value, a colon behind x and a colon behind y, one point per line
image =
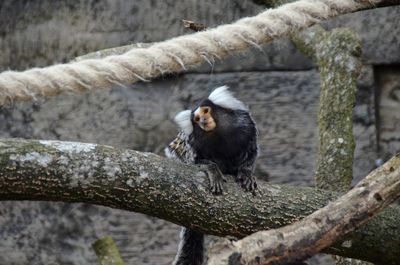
x: 193, y: 26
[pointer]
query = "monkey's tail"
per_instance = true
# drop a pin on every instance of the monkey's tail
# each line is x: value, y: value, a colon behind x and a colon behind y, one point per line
x: 191, y: 248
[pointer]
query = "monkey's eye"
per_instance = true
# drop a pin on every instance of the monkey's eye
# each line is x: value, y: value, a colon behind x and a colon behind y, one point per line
x: 196, y: 118
x: 206, y: 110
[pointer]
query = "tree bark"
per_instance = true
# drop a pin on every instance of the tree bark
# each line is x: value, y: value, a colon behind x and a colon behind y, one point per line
x: 107, y: 251
x: 334, y: 167
x: 337, y: 54
x: 167, y: 189
x: 298, y: 241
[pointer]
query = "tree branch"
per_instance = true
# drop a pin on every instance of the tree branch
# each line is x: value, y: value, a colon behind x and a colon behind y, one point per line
x: 334, y: 169
x: 107, y: 251
x: 337, y: 54
x: 193, y: 25
x: 147, y: 183
x: 307, y: 237
x: 338, y: 89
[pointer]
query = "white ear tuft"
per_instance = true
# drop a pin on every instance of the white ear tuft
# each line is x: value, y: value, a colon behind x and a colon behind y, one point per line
x: 221, y: 96
x: 183, y: 120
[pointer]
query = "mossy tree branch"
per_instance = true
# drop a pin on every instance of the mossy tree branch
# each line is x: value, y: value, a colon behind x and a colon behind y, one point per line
x: 337, y: 54
x: 300, y: 240
x: 107, y: 251
x: 147, y: 183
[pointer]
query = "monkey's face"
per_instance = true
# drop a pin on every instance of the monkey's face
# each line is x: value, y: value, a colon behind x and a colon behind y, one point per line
x: 202, y: 116
x: 219, y: 114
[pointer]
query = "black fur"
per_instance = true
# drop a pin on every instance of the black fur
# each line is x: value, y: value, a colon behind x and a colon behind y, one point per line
x: 232, y: 146
x: 191, y: 248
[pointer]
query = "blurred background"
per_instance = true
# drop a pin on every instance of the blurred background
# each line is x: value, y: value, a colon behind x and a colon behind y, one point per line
x: 280, y: 85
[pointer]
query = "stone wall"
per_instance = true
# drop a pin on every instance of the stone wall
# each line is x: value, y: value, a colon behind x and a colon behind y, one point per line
x: 280, y: 85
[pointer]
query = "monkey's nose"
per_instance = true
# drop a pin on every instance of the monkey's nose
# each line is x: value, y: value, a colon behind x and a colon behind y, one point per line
x: 203, y: 120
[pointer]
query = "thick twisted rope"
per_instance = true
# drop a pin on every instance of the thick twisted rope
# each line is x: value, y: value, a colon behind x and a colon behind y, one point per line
x: 174, y: 55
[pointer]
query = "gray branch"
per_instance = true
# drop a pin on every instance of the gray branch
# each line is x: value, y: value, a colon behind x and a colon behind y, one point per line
x: 107, y: 251
x: 337, y: 54
x: 298, y: 241
x: 150, y: 184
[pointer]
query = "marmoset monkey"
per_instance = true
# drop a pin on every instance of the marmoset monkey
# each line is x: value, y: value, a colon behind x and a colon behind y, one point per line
x: 220, y: 132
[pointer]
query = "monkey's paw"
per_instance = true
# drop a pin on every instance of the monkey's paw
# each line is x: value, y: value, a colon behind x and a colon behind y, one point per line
x: 216, y: 185
x: 215, y: 176
x: 249, y: 183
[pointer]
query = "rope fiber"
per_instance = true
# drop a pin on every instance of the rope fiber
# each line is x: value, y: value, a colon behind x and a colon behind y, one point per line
x: 174, y: 55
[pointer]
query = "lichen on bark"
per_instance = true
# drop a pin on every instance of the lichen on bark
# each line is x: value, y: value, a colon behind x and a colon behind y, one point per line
x: 107, y: 251
x: 298, y: 241
x: 176, y: 192
x: 337, y: 54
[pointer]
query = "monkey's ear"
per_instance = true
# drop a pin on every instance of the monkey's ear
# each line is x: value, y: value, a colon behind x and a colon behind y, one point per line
x: 221, y: 96
x: 183, y: 120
